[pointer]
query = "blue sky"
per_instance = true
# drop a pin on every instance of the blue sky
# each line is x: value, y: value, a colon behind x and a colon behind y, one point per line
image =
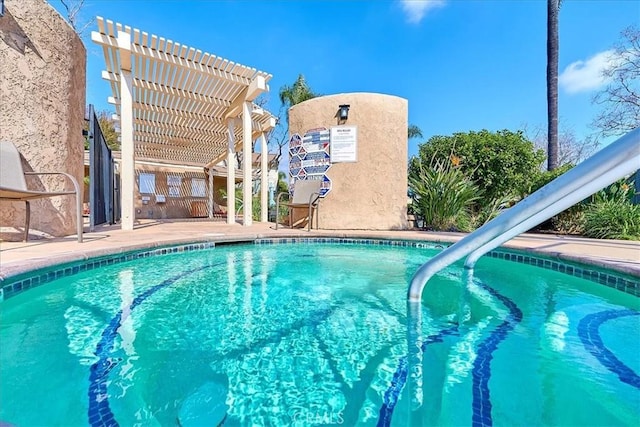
x: 463, y: 65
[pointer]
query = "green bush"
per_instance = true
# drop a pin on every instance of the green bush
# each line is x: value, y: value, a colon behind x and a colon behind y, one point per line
x: 542, y: 178
x: 612, y: 219
x: 493, y: 208
x: 620, y: 191
x: 570, y: 221
x: 442, y: 196
x: 500, y: 163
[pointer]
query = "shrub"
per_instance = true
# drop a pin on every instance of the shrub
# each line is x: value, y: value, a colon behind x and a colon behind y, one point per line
x: 493, y: 208
x: 442, y: 196
x: 499, y: 163
x: 542, y: 178
x: 570, y: 221
x: 620, y: 191
x: 612, y: 219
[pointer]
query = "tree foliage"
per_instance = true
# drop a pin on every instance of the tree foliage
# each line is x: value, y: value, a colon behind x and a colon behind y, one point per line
x: 109, y: 130
x: 298, y: 92
x: 414, y: 132
x: 500, y: 163
x: 289, y: 95
x: 620, y: 99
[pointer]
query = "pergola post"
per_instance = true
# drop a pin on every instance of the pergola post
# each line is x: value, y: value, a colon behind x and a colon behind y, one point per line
x: 264, y: 179
x: 231, y: 175
x: 127, y: 174
x: 247, y: 166
x: 211, y: 192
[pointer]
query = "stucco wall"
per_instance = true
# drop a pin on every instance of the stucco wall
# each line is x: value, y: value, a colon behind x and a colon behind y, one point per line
x: 42, y: 102
x: 371, y: 193
x: 183, y: 205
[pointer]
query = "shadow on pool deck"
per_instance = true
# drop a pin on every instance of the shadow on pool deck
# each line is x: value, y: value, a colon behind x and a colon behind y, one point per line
x: 19, y: 257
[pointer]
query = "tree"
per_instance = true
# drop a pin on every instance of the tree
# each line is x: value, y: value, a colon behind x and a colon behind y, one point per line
x: 109, y: 131
x: 553, y: 49
x: 414, y: 132
x: 571, y: 150
x: 73, y: 9
x: 298, y: 92
x: 621, y: 97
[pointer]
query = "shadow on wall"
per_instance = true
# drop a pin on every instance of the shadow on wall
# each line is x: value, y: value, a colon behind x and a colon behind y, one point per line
x: 14, y: 36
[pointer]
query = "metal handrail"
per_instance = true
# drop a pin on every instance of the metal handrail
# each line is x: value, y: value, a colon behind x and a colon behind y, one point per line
x: 613, y: 162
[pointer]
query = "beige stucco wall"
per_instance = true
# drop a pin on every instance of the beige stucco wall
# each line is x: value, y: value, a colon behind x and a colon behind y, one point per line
x: 370, y: 194
x: 42, y: 102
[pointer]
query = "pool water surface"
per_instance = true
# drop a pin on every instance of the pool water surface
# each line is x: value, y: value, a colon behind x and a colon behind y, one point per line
x: 318, y: 334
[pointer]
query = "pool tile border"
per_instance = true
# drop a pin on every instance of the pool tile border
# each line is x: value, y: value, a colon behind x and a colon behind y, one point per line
x: 25, y: 281
x: 15, y: 285
x: 610, y: 278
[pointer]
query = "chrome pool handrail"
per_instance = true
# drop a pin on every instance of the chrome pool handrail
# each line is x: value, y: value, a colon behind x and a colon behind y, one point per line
x: 613, y: 162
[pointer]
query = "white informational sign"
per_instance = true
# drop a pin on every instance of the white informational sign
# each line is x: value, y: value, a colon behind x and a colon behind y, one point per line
x: 344, y: 144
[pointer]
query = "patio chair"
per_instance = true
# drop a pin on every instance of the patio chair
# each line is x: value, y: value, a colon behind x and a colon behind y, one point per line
x: 306, y: 194
x: 13, y: 186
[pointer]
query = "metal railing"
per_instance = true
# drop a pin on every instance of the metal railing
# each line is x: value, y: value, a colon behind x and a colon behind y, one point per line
x: 615, y: 161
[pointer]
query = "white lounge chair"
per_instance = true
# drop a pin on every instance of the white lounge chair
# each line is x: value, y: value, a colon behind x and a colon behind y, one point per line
x: 13, y: 186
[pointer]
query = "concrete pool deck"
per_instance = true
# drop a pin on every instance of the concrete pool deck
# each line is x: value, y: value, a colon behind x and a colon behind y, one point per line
x: 20, y: 257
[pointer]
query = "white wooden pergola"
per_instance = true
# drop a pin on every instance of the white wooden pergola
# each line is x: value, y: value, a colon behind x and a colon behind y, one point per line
x: 177, y: 104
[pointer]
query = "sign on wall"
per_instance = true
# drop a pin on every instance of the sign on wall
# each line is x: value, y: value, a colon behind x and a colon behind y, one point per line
x: 344, y: 144
x: 309, y: 158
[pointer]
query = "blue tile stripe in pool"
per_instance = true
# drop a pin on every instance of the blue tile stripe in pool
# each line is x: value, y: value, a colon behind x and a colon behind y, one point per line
x: 100, y: 414
x: 482, y: 364
x: 399, y: 380
x: 590, y: 337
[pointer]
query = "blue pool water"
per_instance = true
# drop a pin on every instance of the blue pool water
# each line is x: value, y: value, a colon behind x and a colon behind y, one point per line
x: 318, y: 334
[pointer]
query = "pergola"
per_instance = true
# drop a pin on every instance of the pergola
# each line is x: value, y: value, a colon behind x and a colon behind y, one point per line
x: 177, y: 104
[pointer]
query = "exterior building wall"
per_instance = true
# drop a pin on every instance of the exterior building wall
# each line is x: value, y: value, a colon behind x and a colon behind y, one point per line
x: 371, y: 193
x: 42, y: 107
x: 180, y: 202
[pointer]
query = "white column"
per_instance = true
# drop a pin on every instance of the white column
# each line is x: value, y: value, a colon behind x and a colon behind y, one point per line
x: 127, y: 174
x: 231, y: 175
x: 246, y: 165
x: 211, y: 192
x: 264, y: 179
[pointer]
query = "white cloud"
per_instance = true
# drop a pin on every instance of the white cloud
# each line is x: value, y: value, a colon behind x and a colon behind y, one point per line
x: 585, y: 76
x: 417, y: 9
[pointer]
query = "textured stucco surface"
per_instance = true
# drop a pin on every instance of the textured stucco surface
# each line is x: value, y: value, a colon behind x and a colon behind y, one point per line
x: 42, y: 102
x: 370, y: 194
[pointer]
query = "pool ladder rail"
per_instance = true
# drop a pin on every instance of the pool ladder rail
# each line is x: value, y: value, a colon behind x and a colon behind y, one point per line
x: 613, y: 162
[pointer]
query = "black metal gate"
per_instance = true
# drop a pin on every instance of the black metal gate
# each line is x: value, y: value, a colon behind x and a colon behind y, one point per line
x: 103, y: 188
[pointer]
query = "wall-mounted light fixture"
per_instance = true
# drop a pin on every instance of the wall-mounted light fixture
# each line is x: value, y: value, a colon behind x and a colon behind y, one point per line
x: 343, y: 112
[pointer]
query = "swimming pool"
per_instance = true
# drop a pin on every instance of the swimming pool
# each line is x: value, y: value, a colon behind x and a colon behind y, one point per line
x: 318, y: 333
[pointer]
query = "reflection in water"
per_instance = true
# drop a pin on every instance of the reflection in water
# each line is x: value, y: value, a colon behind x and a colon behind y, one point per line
x: 248, y: 289
x: 127, y: 330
